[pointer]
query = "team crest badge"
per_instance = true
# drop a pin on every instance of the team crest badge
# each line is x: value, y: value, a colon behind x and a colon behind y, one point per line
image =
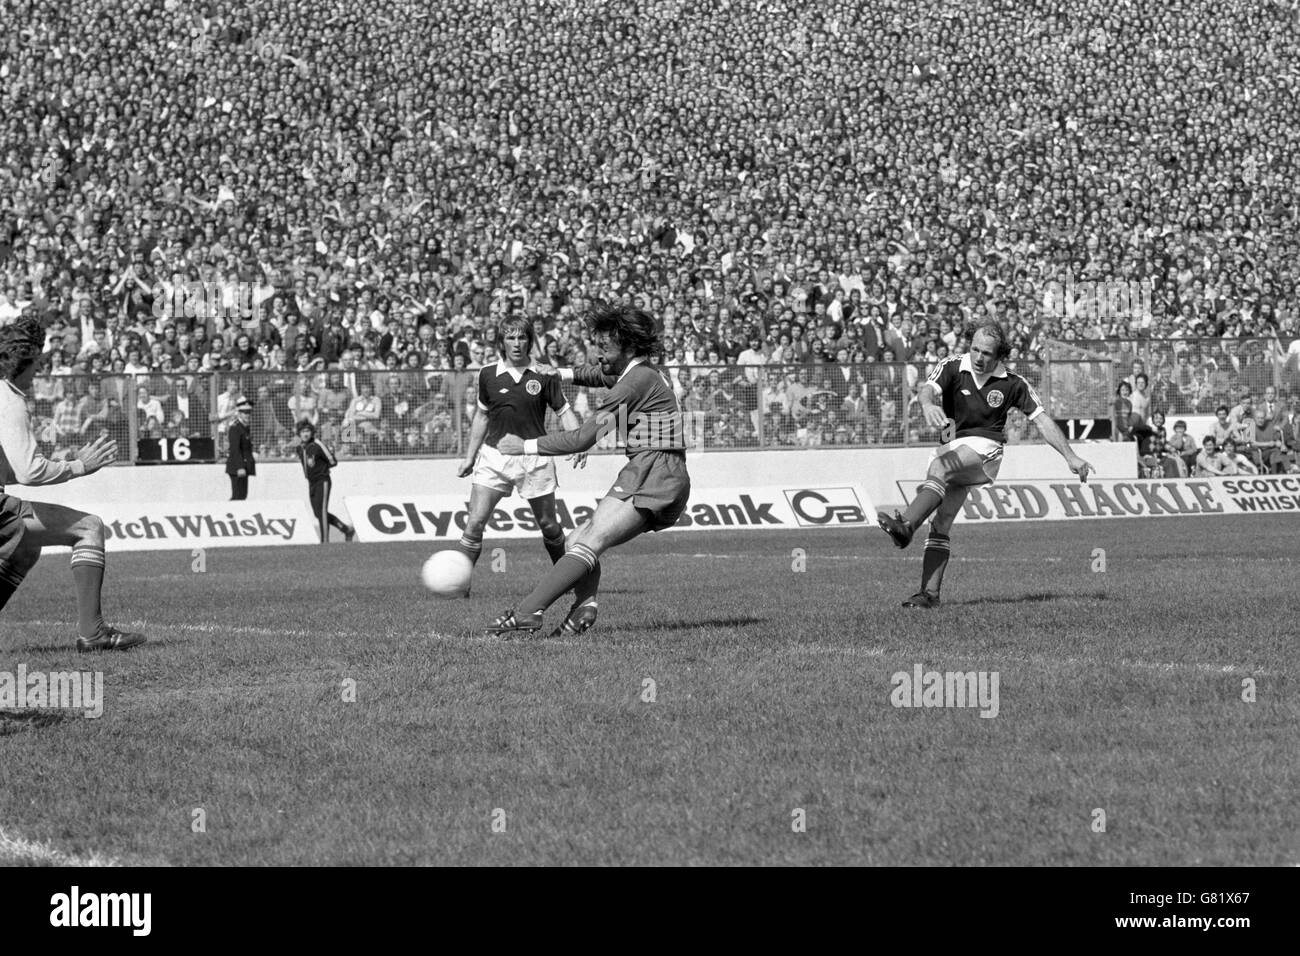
x: 995, y: 399
x: 533, y: 388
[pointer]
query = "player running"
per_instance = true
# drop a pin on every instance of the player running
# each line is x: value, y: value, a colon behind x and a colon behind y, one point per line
x: 651, y: 491
x: 977, y: 392
x: 512, y: 400
x: 21, y: 461
x: 317, y: 460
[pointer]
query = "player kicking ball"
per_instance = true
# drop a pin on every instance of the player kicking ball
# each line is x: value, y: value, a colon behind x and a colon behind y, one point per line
x: 651, y: 491
x: 512, y: 400
x: 968, y: 396
x: 21, y: 461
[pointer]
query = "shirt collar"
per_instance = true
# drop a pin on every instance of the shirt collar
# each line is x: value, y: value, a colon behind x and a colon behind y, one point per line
x: 517, y: 374
x: 999, y: 370
x: 630, y: 365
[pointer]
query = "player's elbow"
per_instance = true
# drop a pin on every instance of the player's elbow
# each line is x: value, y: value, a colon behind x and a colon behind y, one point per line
x: 36, y: 472
x: 26, y: 476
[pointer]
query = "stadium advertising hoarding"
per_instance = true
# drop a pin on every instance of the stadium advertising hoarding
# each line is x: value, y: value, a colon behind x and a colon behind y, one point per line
x: 143, y: 526
x: 1045, y: 500
x: 443, y: 517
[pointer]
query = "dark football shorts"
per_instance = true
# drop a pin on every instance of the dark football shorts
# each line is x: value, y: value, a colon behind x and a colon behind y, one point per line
x: 12, y: 529
x: 656, y: 482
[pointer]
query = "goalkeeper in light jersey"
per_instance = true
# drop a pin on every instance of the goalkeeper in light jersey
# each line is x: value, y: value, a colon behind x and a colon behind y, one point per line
x: 42, y: 524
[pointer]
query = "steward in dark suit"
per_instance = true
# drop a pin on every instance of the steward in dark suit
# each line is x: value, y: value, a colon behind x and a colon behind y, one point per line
x: 240, y: 465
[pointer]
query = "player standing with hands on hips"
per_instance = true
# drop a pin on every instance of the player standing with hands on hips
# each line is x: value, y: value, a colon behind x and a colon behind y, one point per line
x: 240, y: 465
x: 25, y: 526
x: 513, y: 397
x: 317, y: 460
x: 968, y: 397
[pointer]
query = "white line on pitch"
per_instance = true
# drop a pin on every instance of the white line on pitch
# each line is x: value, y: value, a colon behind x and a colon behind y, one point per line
x: 1029, y: 559
x: 925, y: 653
x: 885, y: 557
x: 848, y: 650
x: 937, y: 654
x: 203, y: 628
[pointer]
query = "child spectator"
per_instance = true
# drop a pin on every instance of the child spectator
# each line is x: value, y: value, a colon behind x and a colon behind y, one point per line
x: 1184, y: 446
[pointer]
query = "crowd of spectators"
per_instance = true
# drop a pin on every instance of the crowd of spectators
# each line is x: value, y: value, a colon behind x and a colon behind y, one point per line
x: 405, y: 412
x: 1259, y: 433
x: 783, y: 183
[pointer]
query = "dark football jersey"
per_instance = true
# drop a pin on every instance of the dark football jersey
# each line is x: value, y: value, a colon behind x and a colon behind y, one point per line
x: 517, y: 407
x: 983, y: 410
x: 646, y: 412
x: 316, y: 460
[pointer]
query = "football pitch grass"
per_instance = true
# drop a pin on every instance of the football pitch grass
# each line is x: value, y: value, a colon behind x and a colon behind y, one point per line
x: 728, y: 708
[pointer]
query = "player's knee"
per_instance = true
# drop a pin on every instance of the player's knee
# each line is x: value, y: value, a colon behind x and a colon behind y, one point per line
x: 550, y: 528
x: 582, y: 536
x: 938, y: 470
x: 91, y: 530
x: 596, y: 540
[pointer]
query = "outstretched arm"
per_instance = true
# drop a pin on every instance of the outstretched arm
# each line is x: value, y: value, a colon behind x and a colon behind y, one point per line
x: 565, y: 443
x: 590, y: 375
x: 572, y: 442
x: 1052, y: 435
x: 606, y: 420
x: 26, y: 463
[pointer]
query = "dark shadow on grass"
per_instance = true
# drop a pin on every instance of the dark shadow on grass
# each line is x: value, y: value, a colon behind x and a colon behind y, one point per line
x: 692, y: 625
x: 72, y: 647
x: 45, y: 648
x: 1035, y: 598
x: 17, y: 721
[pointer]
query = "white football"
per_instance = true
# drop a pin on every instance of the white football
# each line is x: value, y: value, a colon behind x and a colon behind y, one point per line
x: 447, y: 573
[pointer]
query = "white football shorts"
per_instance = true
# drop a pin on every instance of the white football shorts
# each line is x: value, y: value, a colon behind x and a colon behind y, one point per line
x: 533, y: 476
x: 972, y: 460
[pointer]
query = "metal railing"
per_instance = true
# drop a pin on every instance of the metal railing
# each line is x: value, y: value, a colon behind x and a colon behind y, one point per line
x: 417, y: 413
x: 1187, y: 376
x: 69, y: 410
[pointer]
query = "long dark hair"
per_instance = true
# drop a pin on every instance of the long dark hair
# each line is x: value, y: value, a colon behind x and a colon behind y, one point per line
x: 21, y: 344
x: 628, y: 326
